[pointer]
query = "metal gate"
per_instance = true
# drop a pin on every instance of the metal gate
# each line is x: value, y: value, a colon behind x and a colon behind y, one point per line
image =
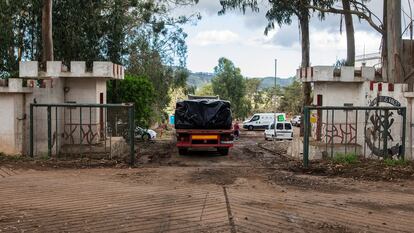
x: 85, y: 130
x: 373, y: 132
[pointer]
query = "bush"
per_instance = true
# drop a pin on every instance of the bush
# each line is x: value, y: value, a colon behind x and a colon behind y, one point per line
x: 137, y: 90
x: 350, y: 158
x: 396, y: 162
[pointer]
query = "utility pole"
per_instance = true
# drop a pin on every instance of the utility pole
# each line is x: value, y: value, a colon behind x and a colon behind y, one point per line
x: 275, y: 120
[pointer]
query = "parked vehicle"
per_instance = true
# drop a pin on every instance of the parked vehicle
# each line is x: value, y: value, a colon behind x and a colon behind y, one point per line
x: 296, y: 120
x: 145, y: 134
x: 142, y: 133
x: 284, y: 131
x: 203, y: 123
x: 263, y: 120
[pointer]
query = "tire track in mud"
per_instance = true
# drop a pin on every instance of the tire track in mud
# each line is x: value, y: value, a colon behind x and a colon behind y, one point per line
x: 7, y: 172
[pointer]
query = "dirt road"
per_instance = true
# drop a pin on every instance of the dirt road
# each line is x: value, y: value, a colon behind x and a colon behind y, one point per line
x: 247, y: 191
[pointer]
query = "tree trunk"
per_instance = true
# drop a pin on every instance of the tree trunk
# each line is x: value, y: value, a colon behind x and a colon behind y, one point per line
x: 384, y: 54
x: 307, y: 89
x: 350, y: 35
x: 394, y: 69
x: 47, y: 38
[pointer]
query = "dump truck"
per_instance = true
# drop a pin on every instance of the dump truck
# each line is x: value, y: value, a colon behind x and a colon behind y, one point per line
x: 203, y: 122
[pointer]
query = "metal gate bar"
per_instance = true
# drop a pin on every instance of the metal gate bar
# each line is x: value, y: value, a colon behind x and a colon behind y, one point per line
x: 131, y: 124
x: 384, y: 113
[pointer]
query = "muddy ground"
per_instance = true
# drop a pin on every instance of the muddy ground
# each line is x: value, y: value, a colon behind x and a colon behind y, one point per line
x: 256, y: 188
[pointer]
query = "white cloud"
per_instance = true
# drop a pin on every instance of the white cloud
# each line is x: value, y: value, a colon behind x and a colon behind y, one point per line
x: 215, y: 37
x: 254, y: 53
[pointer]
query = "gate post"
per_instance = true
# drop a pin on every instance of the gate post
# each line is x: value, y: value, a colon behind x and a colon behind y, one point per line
x: 404, y: 130
x: 131, y: 116
x: 306, y: 137
x: 31, y: 132
x: 49, y: 131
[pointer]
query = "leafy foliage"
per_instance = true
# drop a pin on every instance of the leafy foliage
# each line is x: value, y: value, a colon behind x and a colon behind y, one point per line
x: 350, y: 158
x: 146, y: 60
x: 254, y: 93
x: 280, y: 11
x: 291, y: 100
x: 395, y: 162
x: 140, y: 34
x: 230, y: 85
x: 137, y: 90
x: 177, y: 94
x: 19, y: 34
x: 206, y: 90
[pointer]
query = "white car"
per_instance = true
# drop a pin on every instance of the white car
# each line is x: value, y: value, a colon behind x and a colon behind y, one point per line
x: 284, y: 131
x: 295, y: 120
x: 145, y: 134
x: 141, y: 133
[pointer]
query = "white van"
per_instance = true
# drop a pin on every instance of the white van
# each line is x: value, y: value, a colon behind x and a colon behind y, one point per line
x: 263, y: 120
x: 284, y: 131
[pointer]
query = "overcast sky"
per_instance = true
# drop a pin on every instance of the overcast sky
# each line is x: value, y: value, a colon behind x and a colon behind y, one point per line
x: 241, y: 39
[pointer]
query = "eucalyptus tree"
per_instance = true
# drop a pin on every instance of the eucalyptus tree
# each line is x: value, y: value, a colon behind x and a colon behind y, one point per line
x: 282, y: 12
x: 229, y: 84
x: 350, y: 34
x: 390, y: 29
x: 19, y: 34
x: 113, y: 30
x: 47, y: 37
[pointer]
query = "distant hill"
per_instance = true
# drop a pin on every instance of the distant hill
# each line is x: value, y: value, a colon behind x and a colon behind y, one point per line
x: 270, y: 82
x: 200, y: 79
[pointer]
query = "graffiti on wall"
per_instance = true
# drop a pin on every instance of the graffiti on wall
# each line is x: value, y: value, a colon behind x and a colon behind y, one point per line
x: 339, y: 133
x: 378, y: 129
x: 87, y: 135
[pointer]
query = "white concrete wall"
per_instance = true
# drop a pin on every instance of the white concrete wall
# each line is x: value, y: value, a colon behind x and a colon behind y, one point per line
x: 81, y: 90
x: 360, y: 94
x: 7, y: 129
x: 327, y: 74
x: 20, y: 124
x: 333, y: 94
x: 100, y: 69
x: 338, y: 93
x: 12, y: 123
x: 52, y: 94
x: 87, y: 91
x: 84, y: 87
x: 100, y: 88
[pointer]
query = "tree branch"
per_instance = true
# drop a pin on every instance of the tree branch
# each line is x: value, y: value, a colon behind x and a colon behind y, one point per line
x: 353, y: 12
x: 364, y: 8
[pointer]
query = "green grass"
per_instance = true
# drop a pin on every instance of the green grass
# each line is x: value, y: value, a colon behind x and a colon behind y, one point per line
x: 43, y: 157
x: 4, y: 157
x: 395, y: 162
x: 350, y: 158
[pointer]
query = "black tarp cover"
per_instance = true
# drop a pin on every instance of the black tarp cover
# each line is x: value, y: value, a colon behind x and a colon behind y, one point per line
x: 203, y: 114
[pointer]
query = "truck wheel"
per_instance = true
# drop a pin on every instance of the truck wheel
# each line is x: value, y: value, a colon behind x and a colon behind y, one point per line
x: 223, y: 151
x: 182, y: 151
x: 250, y: 128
